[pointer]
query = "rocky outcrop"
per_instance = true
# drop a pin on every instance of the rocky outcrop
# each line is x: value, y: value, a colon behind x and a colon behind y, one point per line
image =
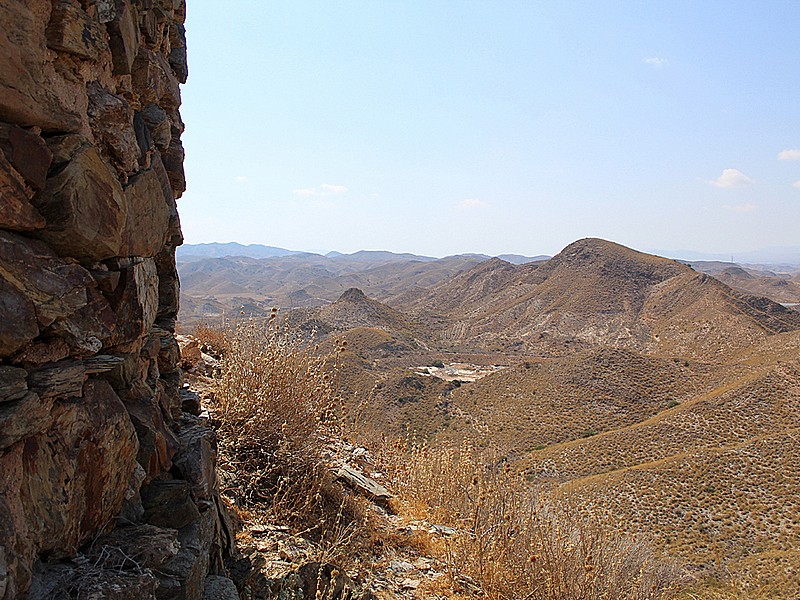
x: 107, y: 489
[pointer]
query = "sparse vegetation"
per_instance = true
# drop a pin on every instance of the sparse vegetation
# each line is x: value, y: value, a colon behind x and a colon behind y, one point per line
x: 512, y: 543
x: 277, y: 416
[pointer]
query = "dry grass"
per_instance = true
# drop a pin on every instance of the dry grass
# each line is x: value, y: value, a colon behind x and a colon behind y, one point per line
x: 276, y: 415
x: 215, y: 337
x: 514, y: 544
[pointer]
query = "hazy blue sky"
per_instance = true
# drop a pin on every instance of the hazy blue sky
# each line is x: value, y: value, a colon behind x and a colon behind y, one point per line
x: 440, y: 127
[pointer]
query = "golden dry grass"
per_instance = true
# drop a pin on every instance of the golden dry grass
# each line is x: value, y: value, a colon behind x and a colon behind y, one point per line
x: 511, y: 543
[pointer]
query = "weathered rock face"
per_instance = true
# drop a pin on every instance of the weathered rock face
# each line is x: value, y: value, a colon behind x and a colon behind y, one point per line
x: 93, y: 442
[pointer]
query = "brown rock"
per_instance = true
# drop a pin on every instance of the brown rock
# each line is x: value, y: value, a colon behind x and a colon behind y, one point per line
x: 168, y: 285
x: 18, y: 323
x: 76, y: 473
x: 85, y: 209
x: 123, y: 38
x: 153, y: 79
x: 174, y: 233
x: 36, y: 289
x: 72, y: 30
x: 42, y: 351
x: 172, y: 158
x: 13, y: 383
x: 184, y: 576
x: 16, y: 212
x: 135, y: 301
x: 157, y: 443
x: 111, y: 119
x: 23, y: 418
x: 56, y: 286
x: 64, y: 378
x: 90, y: 328
x: 31, y: 92
x: 148, y: 215
x: 27, y: 152
x: 17, y: 550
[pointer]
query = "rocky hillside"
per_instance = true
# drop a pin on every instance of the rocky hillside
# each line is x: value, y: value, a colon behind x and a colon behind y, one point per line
x: 598, y: 292
x: 95, y: 446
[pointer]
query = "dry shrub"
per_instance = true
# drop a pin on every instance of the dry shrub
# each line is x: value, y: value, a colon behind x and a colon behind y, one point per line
x: 516, y: 544
x: 276, y: 415
x: 216, y: 337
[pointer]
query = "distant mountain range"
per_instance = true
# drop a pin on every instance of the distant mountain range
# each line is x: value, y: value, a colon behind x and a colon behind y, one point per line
x: 195, y: 252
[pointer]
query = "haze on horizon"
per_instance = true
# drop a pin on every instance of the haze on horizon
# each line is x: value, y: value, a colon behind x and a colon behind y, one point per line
x: 497, y: 127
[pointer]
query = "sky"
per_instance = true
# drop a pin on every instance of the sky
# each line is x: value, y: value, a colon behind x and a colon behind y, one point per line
x: 441, y: 127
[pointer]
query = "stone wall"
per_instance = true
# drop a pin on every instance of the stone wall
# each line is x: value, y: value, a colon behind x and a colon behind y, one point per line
x: 96, y: 451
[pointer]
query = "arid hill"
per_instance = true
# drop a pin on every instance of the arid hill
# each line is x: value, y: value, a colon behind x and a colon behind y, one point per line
x: 598, y: 292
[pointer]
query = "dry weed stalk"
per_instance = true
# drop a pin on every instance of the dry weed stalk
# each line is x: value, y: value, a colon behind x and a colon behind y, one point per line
x: 515, y: 544
x: 276, y: 413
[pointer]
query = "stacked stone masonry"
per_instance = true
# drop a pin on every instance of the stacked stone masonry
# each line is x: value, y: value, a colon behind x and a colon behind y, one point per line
x: 99, y: 464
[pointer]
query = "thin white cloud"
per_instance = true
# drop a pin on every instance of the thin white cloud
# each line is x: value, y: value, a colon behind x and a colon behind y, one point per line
x: 793, y: 154
x: 731, y: 178
x: 796, y: 184
x: 305, y: 192
x: 655, y: 61
x: 240, y: 179
x: 332, y: 188
x: 741, y: 208
x: 468, y: 203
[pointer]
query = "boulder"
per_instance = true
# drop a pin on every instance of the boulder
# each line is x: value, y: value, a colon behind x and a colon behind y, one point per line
x: 172, y: 158
x: 111, y: 119
x: 157, y: 443
x: 56, y: 287
x: 23, y: 418
x: 72, y: 30
x: 60, y: 487
x: 37, y: 288
x: 158, y: 124
x: 64, y: 378
x: 196, y: 459
x: 123, y: 35
x: 135, y: 301
x: 153, y: 78
x: 148, y: 219
x: 77, y: 472
x: 219, y: 588
x: 167, y: 503
x: 85, y: 209
x: 32, y: 93
x: 177, y: 55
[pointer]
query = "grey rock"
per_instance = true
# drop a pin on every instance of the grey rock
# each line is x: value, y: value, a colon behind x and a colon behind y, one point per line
x: 168, y: 504
x: 219, y: 588
x: 369, y: 487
